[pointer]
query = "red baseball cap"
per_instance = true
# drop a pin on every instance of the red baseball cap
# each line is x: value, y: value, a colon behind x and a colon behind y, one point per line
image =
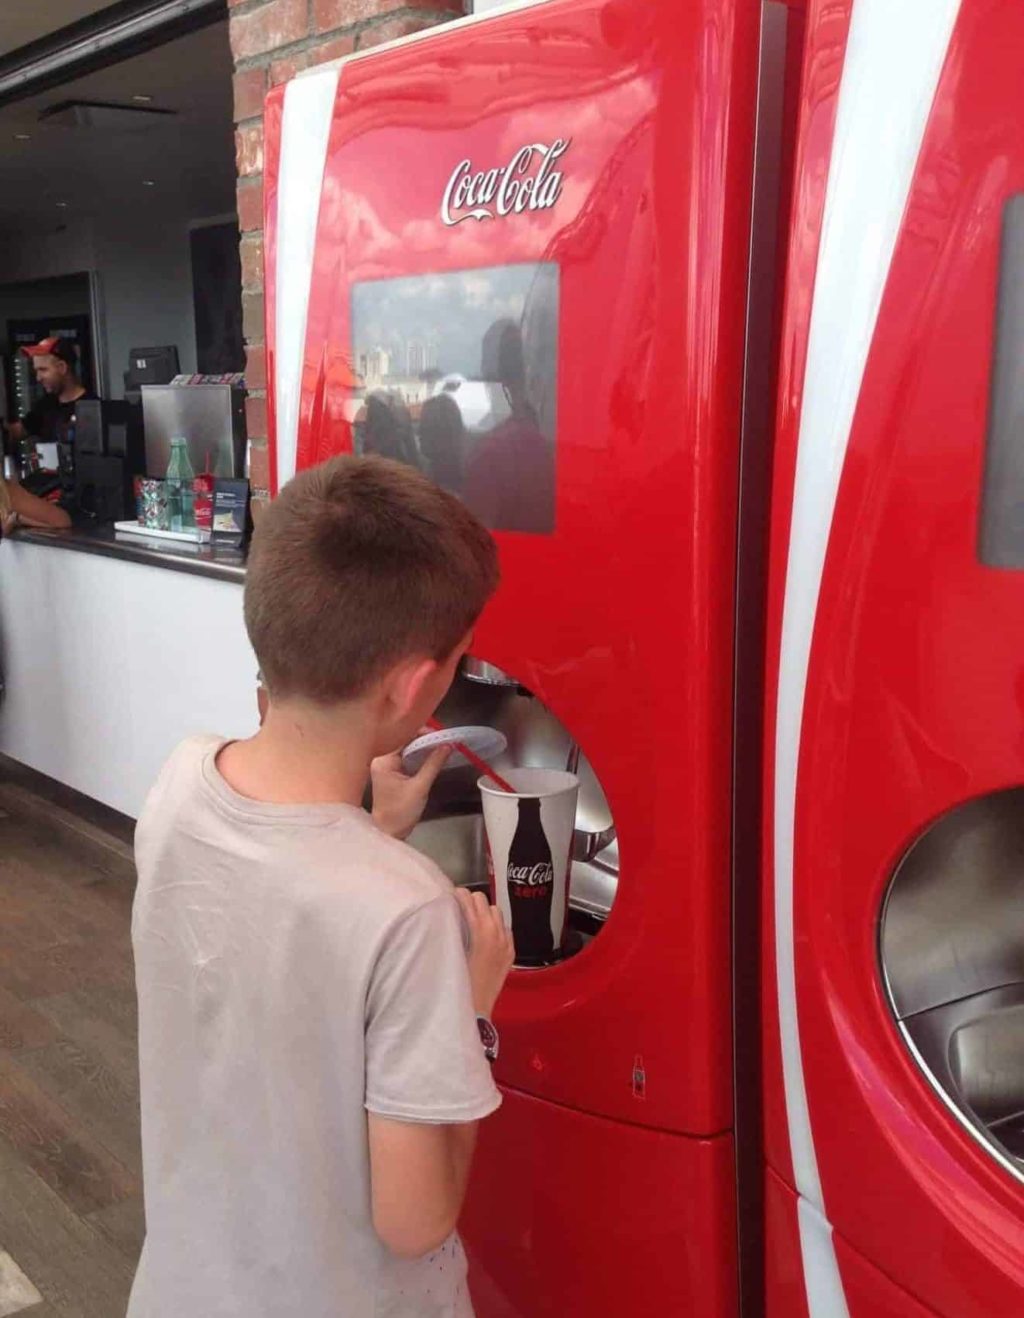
x: 63, y: 349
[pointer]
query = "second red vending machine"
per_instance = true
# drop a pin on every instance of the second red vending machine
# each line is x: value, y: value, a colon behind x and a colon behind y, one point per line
x: 894, y: 992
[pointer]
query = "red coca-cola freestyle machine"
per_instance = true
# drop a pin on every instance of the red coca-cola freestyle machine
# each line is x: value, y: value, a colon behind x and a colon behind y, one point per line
x: 894, y: 810
x: 654, y: 286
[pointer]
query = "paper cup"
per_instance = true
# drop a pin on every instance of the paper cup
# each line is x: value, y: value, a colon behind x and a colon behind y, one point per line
x: 529, y: 855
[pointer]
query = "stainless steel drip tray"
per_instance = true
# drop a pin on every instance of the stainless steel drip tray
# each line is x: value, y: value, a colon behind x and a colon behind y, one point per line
x: 974, y: 1049
x: 455, y: 843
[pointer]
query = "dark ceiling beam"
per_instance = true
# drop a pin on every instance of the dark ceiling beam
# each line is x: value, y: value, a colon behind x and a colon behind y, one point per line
x: 115, y: 33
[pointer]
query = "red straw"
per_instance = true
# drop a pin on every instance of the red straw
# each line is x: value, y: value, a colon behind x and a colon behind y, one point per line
x: 474, y: 759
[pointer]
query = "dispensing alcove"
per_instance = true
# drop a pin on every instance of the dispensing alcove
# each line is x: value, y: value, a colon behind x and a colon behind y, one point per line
x: 952, y: 953
x: 451, y: 832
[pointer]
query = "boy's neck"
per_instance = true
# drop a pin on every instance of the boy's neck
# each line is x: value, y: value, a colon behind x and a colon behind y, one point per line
x: 302, y: 755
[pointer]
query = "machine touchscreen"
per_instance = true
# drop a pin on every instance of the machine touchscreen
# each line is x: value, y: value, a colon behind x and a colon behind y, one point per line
x: 1001, y: 541
x: 459, y: 373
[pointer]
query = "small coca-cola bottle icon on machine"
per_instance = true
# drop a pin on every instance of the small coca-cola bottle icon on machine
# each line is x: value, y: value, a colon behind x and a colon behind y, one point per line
x: 530, y: 876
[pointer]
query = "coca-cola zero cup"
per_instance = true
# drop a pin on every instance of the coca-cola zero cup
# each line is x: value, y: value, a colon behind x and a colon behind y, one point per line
x: 529, y: 855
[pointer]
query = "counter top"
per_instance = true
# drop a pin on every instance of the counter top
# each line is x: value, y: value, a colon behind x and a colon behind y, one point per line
x: 206, y: 560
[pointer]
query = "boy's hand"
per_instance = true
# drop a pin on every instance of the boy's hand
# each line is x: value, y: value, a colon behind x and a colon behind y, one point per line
x: 491, y: 950
x: 400, y: 798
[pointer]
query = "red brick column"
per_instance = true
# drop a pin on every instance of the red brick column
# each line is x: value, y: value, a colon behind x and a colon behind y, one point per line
x: 271, y: 41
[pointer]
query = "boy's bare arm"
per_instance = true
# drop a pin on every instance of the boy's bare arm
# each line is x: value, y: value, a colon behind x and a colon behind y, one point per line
x: 418, y: 1178
x: 419, y: 1172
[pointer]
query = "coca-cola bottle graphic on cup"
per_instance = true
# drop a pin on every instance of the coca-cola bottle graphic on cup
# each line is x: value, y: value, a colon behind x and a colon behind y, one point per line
x: 530, y: 875
x: 529, y: 832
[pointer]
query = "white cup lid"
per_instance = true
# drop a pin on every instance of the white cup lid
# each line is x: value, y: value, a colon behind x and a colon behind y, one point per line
x: 485, y: 742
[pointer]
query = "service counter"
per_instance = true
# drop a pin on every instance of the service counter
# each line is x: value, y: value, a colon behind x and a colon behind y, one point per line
x: 114, y: 648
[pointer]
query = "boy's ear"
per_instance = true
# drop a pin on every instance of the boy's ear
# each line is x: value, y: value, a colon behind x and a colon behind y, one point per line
x: 406, y: 685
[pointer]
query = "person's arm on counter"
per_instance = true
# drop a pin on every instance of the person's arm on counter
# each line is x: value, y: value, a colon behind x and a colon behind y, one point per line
x: 27, y: 509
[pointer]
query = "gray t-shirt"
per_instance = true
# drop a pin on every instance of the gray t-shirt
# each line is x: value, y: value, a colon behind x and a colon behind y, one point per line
x: 295, y: 968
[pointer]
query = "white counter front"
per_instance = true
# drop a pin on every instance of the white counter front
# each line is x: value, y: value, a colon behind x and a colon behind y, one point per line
x: 109, y: 663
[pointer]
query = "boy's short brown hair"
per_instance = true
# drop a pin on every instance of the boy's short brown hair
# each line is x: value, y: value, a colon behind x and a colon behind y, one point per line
x: 358, y: 564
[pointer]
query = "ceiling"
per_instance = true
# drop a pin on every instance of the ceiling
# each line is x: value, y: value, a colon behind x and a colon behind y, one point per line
x: 188, y: 158
x: 22, y: 23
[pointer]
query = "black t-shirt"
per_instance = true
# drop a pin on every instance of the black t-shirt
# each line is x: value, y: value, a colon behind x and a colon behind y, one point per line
x: 49, y: 419
x: 49, y: 422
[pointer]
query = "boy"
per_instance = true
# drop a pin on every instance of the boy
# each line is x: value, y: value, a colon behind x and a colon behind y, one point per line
x: 311, y: 1069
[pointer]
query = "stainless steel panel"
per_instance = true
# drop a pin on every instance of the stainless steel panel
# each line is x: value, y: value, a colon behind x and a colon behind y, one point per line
x: 952, y: 952
x: 210, y: 416
x: 455, y: 845
x: 953, y: 924
x: 986, y: 1059
x: 972, y: 1052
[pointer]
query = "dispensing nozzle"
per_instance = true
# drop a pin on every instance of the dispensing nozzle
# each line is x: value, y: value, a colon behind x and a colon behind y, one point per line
x: 478, y: 670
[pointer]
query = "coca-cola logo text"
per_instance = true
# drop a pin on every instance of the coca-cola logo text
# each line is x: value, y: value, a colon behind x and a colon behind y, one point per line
x: 529, y: 181
x: 541, y: 875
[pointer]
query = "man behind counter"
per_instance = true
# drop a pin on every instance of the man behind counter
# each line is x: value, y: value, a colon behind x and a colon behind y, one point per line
x: 55, y: 367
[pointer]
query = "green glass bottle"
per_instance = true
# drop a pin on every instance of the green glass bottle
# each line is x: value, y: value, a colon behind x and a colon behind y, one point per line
x: 180, y: 476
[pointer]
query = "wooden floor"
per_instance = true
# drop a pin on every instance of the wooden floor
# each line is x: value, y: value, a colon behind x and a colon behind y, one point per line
x: 71, y: 1220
